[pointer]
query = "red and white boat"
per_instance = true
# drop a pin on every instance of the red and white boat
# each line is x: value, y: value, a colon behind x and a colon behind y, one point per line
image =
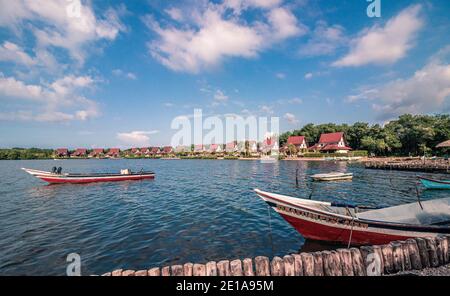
x: 57, y: 178
x: 330, y: 222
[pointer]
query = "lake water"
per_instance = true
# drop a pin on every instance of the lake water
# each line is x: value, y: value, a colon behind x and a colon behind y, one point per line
x: 194, y: 211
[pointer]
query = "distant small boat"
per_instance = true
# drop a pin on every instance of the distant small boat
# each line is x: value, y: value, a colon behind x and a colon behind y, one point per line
x: 434, y: 184
x: 58, y: 177
x: 335, y: 176
x: 354, y: 225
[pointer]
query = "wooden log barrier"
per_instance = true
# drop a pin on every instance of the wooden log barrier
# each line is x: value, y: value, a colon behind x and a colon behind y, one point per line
x: 358, y: 263
x: 412, y: 254
x: 277, y: 267
x: 346, y: 262
x: 432, y: 252
x: 298, y: 264
x: 199, y: 270
x: 211, y: 268
x: 308, y: 264
x: 223, y: 268
x: 318, y: 264
x: 262, y: 266
x: 236, y: 268
x: 423, y: 252
x: 188, y: 269
x: 177, y: 270
x: 289, y: 265
x: 248, y: 267
x: 397, y: 251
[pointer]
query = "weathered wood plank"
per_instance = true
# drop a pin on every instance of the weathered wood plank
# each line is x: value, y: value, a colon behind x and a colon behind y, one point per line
x: 277, y: 267
x: 165, y: 271
x: 414, y: 254
x: 117, y: 272
x: 318, y: 264
x: 223, y: 268
x: 199, y: 270
x: 154, y: 271
x: 397, y: 251
x: 236, y: 268
x: 248, y: 267
x: 211, y: 268
x: 262, y: 266
x: 289, y: 265
x: 358, y: 262
x: 298, y: 264
x: 141, y: 273
x: 406, y: 256
x: 177, y: 270
x: 423, y: 252
x: 308, y: 264
x: 188, y: 269
x: 432, y: 252
x: 346, y: 262
x: 388, y: 259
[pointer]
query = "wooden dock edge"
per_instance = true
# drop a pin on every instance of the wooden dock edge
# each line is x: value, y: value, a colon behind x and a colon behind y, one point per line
x: 397, y: 256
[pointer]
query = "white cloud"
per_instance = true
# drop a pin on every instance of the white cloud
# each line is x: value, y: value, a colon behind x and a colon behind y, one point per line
x: 324, y: 41
x: 428, y: 90
x: 168, y: 105
x: 266, y: 109
x: 296, y: 101
x: 291, y: 118
x: 11, y: 52
x: 121, y: 73
x: 308, y: 75
x: 280, y: 75
x: 139, y: 138
x: 213, y: 35
x: 384, y: 45
x: 175, y: 13
x: 219, y: 96
x: 59, y: 23
x: 60, y: 100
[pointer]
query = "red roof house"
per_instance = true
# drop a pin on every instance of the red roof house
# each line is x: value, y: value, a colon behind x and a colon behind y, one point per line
x: 198, y: 148
x: 135, y: 151
x: 96, y: 152
x: 167, y: 150
x: 80, y: 152
x: 114, y: 152
x: 298, y: 141
x: 155, y: 150
x: 62, y: 152
x: 231, y: 147
x: 332, y: 142
x: 215, y: 148
x: 145, y: 150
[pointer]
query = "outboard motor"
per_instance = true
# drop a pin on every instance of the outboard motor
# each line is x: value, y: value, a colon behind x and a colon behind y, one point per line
x: 59, y: 171
x: 54, y: 170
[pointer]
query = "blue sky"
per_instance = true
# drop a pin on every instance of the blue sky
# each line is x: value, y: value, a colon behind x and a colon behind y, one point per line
x: 110, y: 73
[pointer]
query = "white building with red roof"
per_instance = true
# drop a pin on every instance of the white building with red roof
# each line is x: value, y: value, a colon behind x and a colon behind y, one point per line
x: 62, y: 152
x: 332, y: 143
x: 97, y: 152
x: 80, y: 152
x: 298, y: 141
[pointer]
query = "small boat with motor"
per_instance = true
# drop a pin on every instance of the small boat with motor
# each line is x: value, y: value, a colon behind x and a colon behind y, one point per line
x: 334, y: 176
x: 359, y: 225
x: 57, y: 177
x: 434, y: 184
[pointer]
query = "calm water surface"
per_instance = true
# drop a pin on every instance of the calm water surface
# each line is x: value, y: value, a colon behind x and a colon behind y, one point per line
x: 194, y: 211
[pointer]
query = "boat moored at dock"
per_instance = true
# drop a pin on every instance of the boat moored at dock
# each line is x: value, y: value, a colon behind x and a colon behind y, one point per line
x: 434, y: 184
x: 345, y: 224
x: 334, y: 176
x: 56, y: 177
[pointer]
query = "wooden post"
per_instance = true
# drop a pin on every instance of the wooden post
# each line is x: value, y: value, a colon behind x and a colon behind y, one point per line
x: 432, y: 252
x: 236, y: 268
x: 187, y: 269
x: 388, y: 259
x: 406, y: 256
x: 289, y: 265
x: 128, y: 272
x: 346, y: 261
x: 211, y: 268
x: 331, y: 263
x: 141, y: 273
x: 373, y: 261
x: 308, y: 264
x: 199, y: 270
x: 440, y: 250
x: 165, y: 271
x: 277, y: 267
x: 223, y: 268
x: 248, y: 267
x: 423, y: 252
x: 318, y: 264
x: 397, y: 252
x: 358, y: 263
x: 117, y: 272
x: 298, y: 264
x: 154, y: 271
x: 445, y: 249
x: 177, y: 270
x: 414, y: 254
x: 379, y: 252
x: 262, y: 266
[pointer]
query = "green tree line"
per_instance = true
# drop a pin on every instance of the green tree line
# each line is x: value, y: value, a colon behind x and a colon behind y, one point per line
x: 25, y: 153
x: 408, y: 135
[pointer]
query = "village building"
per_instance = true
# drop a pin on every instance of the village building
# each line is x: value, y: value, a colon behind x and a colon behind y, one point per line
x: 231, y: 147
x: 167, y: 150
x: 155, y: 151
x: 299, y: 142
x: 62, y: 152
x: 113, y: 153
x: 215, y: 148
x: 79, y: 152
x: 145, y: 151
x: 97, y: 152
x: 199, y: 148
x: 182, y: 149
x: 331, y: 143
x: 253, y: 147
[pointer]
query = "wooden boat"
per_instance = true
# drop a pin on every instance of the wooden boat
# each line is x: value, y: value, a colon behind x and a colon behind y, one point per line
x: 56, y: 178
x: 434, y: 184
x: 351, y: 225
x: 335, y: 176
